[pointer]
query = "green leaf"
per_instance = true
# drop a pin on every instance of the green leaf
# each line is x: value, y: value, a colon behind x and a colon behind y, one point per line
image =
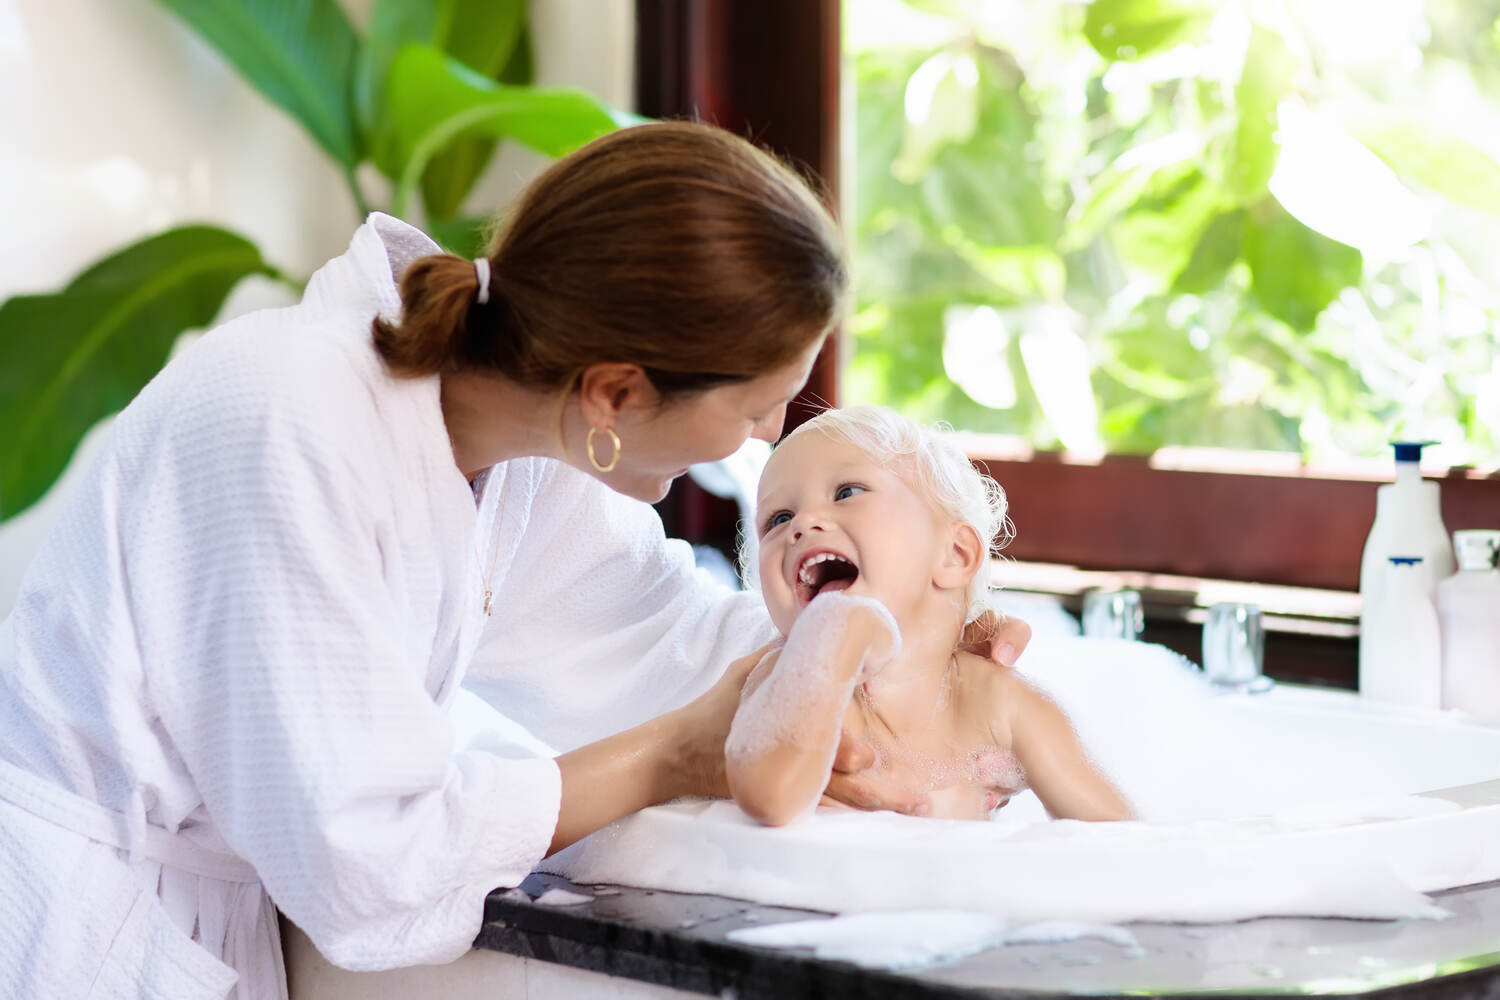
x: 70, y: 358
x: 1022, y: 273
x: 298, y: 53
x: 1125, y: 181
x: 484, y: 35
x: 1217, y: 250
x: 1295, y: 271
x: 481, y: 34
x: 393, y: 24
x: 942, y: 106
x: 1158, y: 235
x: 488, y: 36
x: 1130, y: 29
x: 467, y: 237
x: 1425, y: 153
x: 433, y: 101
x: 1264, y: 81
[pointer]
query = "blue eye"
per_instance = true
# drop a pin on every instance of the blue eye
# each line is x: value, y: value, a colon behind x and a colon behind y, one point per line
x: 778, y: 518
x: 848, y: 490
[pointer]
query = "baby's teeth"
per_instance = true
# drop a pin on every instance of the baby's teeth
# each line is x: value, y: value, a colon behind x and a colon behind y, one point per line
x: 805, y: 573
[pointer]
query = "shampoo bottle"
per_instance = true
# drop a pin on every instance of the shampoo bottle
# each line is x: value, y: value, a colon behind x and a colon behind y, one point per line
x: 1469, y: 610
x: 1400, y: 657
x: 1408, y: 523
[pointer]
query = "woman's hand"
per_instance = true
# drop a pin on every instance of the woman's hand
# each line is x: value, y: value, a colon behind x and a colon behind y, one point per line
x: 704, y: 725
x: 679, y: 753
x: 992, y: 636
x: 849, y: 786
x: 996, y: 636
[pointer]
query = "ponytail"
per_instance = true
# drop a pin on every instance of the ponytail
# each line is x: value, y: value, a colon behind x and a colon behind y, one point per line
x: 443, y: 324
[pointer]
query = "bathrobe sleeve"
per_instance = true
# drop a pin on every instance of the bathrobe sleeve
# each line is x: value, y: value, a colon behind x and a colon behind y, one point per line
x: 260, y: 562
x: 604, y: 622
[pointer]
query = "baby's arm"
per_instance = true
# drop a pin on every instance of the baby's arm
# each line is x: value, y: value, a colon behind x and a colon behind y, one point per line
x: 1058, y: 770
x: 782, y: 741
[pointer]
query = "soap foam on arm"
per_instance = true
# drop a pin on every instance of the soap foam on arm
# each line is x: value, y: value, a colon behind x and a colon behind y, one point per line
x: 782, y: 741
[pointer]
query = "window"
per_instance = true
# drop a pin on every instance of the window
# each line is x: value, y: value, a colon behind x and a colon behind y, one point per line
x: 1088, y: 238
x: 1137, y: 224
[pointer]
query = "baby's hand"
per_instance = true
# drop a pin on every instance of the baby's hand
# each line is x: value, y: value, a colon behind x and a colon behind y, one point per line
x: 861, y: 626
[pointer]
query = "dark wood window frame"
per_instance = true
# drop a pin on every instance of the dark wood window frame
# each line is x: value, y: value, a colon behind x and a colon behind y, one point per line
x: 769, y: 69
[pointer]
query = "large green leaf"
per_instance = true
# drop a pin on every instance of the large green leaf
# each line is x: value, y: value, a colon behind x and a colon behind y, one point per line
x: 1130, y: 29
x: 1217, y: 250
x: 467, y: 236
x: 1158, y: 235
x: 1126, y: 181
x: 393, y: 24
x: 433, y: 101
x: 1296, y: 271
x: 299, y: 53
x: 70, y: 358
x: 1435, y: 158
x: 488, y: 36
x: 1264, y: 81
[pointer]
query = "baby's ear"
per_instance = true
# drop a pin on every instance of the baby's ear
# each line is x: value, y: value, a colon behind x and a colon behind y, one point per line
x: 963, y: 554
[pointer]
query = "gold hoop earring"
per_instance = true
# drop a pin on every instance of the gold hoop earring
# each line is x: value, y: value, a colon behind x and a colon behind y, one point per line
x: 614, y: 439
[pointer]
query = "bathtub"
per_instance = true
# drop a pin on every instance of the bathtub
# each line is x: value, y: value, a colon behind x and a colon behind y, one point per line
x: 1297, y: 802
x: 1294, y: 804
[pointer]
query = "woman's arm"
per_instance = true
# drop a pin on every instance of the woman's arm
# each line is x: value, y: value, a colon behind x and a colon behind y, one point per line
x: 781, y: 746
x: 679, y: 753
x: 1056, y: 767
x: 606, y: 623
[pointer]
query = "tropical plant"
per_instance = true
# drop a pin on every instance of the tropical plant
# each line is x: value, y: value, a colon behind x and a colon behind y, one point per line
x: 424, y: 96
x: 1134, y: 223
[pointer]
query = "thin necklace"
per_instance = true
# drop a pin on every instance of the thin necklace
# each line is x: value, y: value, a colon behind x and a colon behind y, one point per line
x: 486, y: 578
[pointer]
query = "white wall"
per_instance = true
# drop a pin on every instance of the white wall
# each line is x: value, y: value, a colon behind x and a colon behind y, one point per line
x: 119, y: 122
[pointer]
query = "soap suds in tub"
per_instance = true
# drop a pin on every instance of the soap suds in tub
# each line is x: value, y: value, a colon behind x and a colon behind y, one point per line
x: 915, y: 939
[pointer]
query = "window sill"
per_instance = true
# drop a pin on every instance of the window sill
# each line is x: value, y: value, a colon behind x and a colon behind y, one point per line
x: 1230, y: 519
x: 1311, y: 633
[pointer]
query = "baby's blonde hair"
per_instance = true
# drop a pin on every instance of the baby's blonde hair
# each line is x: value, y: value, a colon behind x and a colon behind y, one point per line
x: 943, y: 474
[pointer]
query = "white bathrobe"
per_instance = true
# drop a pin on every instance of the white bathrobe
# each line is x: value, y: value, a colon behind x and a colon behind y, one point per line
x: 226, y: 678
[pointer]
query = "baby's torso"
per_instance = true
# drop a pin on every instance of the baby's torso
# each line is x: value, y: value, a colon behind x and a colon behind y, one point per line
x: 959, y: 758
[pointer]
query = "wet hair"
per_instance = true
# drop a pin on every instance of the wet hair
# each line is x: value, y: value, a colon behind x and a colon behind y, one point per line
x: 676, y: 246
x: 935, y: 467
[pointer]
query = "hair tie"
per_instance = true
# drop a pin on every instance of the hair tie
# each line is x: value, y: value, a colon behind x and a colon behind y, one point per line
x: 482, y: 269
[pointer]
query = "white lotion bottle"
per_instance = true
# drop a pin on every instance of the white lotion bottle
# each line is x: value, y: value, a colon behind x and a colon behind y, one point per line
x: 1408, y: 523
x: 1469, y: 610
x: 1401, y: 645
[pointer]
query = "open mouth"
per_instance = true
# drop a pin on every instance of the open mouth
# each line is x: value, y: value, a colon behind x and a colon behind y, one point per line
x: 824, y: 573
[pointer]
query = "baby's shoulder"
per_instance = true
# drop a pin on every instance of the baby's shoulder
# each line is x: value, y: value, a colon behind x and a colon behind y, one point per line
x: 983, y: 678
x: 989, y: 693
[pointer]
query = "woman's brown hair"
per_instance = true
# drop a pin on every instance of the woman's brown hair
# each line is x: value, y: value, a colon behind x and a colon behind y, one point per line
x: 676, y: 246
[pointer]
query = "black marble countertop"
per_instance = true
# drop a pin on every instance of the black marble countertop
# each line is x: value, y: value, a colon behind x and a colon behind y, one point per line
x: 679, y: 940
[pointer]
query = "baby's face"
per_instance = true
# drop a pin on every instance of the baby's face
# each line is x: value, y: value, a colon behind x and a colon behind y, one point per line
x: 829, y: 517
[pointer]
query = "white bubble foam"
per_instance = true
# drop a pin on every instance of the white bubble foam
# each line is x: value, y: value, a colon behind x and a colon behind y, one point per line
x: 1298, y: 802
x: 913, y: 939
x: 802, y: 702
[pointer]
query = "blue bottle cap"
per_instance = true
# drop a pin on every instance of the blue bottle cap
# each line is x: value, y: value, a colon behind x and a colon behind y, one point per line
x: 1410, y: 451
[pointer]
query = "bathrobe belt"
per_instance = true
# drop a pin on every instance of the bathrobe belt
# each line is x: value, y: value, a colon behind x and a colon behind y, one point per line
x: 139, y: 839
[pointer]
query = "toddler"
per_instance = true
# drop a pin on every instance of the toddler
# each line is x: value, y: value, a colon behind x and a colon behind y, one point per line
x: 875, y: 538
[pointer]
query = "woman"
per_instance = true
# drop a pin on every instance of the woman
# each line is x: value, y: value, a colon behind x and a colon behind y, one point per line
x: 227, y: 677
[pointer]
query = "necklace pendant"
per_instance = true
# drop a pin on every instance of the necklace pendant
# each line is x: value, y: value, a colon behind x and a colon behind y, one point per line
x: 489, y: 602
